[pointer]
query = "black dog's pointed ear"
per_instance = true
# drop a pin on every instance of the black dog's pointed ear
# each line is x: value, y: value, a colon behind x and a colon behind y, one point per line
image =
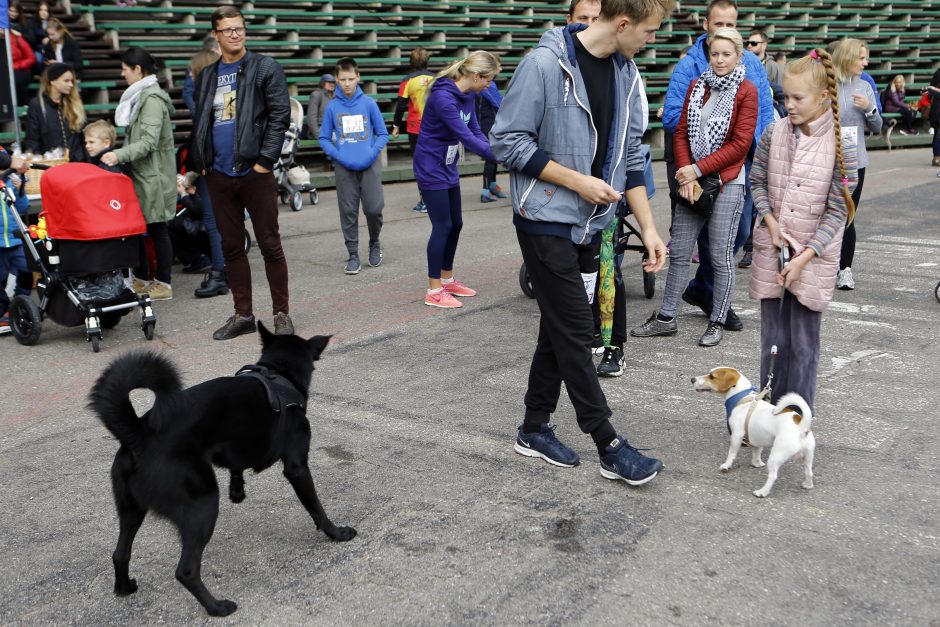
x: 266, y: 336
x: 318, y: 343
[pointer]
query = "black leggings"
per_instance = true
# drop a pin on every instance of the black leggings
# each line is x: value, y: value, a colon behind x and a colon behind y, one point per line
x: 489, y: 173
x: 848, y: 240
x: 160, y: 236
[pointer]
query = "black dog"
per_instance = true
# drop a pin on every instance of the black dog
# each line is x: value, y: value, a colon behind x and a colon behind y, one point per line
x: 165, y: 461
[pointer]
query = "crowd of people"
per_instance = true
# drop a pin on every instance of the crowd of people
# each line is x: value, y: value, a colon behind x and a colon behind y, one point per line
x: 760, y: 155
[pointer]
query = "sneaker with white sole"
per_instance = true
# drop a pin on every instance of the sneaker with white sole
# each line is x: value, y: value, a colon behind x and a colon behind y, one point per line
x: 845, y: 280
x: 440, y: 298
x: 622, y: 461
x: 612, y: 363
x: 457, y: 288
x: 352, y: 265
x: 545, y: 445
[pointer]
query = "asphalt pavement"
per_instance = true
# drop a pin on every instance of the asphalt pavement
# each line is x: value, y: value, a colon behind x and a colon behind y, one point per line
x: 414, y: 412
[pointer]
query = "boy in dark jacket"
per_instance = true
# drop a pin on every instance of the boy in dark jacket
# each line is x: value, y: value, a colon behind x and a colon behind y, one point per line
x: 100, y: 138
x: 353, y: 134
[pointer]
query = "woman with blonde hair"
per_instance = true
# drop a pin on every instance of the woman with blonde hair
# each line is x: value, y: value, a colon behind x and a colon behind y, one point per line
x: 859, y: 106
x: 62, y: 47
x: 895, y: 103
x: 449, y: 120
x: 713, y: 136
x: 56, y: 116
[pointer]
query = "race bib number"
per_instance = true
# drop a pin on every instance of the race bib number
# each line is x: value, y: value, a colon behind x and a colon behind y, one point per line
x: 452, y: 152
x: 590, y: 283
x: 850, y: 135
x: 353, y: 124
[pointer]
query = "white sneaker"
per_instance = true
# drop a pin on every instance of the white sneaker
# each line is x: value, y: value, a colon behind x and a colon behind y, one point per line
x: 844, y: 280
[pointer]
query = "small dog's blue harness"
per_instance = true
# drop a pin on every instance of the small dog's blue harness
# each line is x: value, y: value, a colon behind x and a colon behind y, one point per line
x: 732, y: 402
x: 282, y: 394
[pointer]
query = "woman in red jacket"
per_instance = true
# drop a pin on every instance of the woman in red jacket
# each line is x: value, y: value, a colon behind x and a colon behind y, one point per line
x: 23, y: 56
x: 713, y: 136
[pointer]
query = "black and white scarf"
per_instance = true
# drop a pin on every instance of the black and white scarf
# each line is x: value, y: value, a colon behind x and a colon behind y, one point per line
x: 724, y: 89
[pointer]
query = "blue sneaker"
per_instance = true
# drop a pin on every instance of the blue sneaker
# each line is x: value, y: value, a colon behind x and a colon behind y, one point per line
x: 420, y: 207
x: 544, y: 444
x: 622, y: 461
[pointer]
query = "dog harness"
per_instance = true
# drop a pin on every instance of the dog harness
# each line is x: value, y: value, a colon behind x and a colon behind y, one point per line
x: 736, y: 400
x: 282, y: 394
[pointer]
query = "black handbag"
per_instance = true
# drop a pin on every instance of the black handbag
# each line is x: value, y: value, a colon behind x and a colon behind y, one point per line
x: 711, y: 187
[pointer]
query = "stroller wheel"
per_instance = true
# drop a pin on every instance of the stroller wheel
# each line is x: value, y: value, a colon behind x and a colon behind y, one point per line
x: 284, y: 197
x: 148, y: 330
x: 296, y: 201
x: 247, y: 241
x: 525, y: 282
x: 25, y: 319
x: 95, y: 342
x: 936, y: 292
x: 314, y: 197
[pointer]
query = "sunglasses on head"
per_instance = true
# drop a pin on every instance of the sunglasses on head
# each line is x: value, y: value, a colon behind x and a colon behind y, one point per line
x: 754, y: 43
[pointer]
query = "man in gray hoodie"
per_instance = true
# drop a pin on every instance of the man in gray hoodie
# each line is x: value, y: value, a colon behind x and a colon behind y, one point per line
x: 569, y: 131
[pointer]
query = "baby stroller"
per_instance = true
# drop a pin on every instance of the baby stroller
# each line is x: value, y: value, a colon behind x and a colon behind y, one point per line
x: 88, y: 232
x: 293, y: 179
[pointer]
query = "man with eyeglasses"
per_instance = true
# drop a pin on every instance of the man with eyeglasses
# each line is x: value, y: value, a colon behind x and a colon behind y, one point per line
x: 719, y: 14
x: 757, y: 43
x: 242, y: 113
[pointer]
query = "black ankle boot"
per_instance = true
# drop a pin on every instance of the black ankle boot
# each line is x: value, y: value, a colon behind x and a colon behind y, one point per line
x: 214, y: 284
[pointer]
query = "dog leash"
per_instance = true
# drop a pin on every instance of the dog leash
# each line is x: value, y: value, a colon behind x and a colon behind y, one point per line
x: 783, y: 259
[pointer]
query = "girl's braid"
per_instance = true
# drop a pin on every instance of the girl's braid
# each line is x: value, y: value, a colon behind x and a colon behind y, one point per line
x: 840, y: 158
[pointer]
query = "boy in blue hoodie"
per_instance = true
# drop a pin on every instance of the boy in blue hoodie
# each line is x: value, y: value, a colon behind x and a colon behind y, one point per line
x: 353, y: 135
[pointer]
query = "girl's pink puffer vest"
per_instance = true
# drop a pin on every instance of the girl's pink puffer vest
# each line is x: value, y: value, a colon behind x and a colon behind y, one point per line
x: 799, y: 179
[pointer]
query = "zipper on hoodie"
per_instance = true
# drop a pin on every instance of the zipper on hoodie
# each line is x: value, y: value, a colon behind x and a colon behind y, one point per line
x: 623, y: 141
x: 574, y: 90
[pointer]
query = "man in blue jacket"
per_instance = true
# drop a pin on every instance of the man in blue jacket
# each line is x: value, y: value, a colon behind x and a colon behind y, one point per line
x: 353, y: 135
x: 569, y: 131
x: 719, y: 14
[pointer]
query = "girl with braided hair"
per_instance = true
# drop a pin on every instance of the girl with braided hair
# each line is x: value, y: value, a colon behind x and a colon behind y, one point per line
x: 805, y: 168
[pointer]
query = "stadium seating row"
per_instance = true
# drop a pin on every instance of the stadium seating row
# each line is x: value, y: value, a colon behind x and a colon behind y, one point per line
x: 308, y: 36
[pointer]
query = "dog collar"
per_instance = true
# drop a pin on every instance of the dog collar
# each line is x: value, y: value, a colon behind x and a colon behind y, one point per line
x: 282, y: 394
x: 733, y: 402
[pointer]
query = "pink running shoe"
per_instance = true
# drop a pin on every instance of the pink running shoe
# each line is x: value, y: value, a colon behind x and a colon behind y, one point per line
x: 442, y: 299
x: 458, y: 289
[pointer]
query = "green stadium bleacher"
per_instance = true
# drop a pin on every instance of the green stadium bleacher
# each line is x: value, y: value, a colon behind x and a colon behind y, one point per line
x: 308, y: 36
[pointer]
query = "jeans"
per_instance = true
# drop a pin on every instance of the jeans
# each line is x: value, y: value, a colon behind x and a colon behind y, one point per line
x: 208, y: 221
x: 13, y: 261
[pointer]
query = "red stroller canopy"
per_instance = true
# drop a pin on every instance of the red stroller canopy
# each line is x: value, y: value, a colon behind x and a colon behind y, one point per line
x: 84, y: 202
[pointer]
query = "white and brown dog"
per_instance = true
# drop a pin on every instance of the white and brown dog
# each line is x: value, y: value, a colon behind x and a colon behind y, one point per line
x: 760, y: 425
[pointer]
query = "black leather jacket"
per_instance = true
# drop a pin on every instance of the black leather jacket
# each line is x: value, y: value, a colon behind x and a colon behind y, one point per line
x: 262, y: 108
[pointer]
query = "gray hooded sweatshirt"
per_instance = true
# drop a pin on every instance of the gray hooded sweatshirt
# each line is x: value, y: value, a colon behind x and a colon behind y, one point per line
x: 545, y: 115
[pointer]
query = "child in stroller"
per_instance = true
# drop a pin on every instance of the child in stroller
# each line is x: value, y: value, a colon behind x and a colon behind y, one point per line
x: 88, y: 233
x: 293, y: 179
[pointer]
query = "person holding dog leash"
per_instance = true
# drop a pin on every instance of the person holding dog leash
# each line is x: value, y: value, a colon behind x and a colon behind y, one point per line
x: 804, y: 170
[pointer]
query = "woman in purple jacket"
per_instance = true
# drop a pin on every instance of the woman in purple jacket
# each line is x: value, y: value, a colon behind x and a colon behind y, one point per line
x: 449, y: 120
x: 895, y: 103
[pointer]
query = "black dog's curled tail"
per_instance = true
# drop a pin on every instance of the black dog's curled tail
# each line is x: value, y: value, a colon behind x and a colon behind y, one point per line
x: 110, y: 396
